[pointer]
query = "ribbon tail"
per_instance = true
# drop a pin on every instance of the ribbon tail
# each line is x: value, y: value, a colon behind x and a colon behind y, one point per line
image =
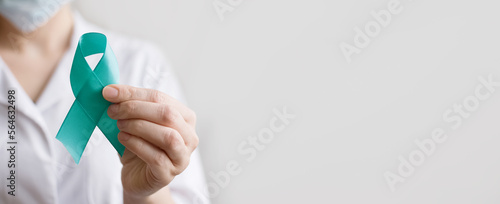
x: 75, y: 131
x: 110, y: 130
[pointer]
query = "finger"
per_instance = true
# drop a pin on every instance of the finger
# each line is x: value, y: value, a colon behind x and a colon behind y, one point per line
x: 117, y: 93
x: 145, y: 151
x: 155, y: 112
x: 167, y: 139
x: 162, y: 114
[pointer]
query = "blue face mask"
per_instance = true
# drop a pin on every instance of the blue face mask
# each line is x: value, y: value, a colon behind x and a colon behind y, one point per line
x: 29, y: 15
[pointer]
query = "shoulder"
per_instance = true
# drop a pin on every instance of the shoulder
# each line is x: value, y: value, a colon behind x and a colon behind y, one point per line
x: 142, y: 63
x: 131, y: 49
x: 124, y: 46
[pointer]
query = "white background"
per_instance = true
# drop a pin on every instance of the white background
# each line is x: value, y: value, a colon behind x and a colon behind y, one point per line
x: 353, y: 120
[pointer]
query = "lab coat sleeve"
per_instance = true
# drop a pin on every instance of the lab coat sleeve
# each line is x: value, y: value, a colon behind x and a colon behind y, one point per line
x: 190, y: 186
x: 155, y: 72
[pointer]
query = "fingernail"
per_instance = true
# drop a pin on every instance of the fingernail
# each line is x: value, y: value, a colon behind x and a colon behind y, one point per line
x: 121, y: 123
x: 110, y: 92
x: 113, y: 109
x: 124, y: 136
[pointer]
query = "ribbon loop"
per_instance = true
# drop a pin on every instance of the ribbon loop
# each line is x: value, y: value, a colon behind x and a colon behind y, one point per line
x: 90, y: 108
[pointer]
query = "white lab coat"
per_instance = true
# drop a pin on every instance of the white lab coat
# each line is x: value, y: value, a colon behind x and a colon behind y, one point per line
x: 45, y: 171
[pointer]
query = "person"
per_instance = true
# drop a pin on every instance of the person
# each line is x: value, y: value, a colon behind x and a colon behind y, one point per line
x: 38, y: 39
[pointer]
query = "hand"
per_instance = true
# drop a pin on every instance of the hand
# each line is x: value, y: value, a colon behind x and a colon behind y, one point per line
x: 158, y: 133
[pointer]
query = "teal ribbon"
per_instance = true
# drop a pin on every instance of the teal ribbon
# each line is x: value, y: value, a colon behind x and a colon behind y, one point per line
x: 90, y: 108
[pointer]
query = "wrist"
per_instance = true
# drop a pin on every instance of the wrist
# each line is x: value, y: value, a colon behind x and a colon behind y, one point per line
x: 161, y: 196
x: 130, y: 199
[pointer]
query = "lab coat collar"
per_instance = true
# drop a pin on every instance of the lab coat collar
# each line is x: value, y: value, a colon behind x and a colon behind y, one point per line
x: 22, y: 103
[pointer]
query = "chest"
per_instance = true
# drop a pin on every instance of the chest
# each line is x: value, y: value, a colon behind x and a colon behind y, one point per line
x: 31, y: 70
x: 45, y: 171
